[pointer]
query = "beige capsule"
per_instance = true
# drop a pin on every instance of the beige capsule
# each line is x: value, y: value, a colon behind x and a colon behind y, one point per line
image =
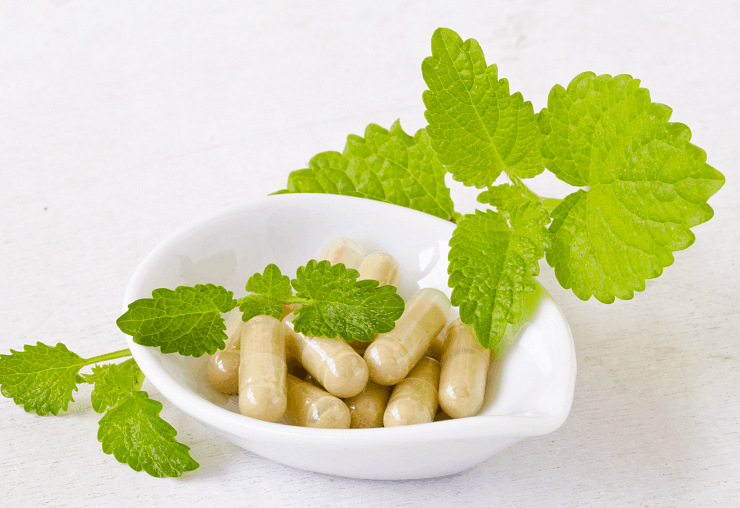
x: 342, y: 250
x: 368, y: 406
x: 387, y: 271
x: 223, y: 366
x: 333, y: 362
x: 392, y: 355
x: 465, y: 363
x: 414, y: 400
x: 223, y: 371
x: 381, y: 267
x: 310, y: 406
x: 262, y: 370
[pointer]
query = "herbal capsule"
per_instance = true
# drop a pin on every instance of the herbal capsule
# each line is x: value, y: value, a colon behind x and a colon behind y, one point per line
x: 387, y: 271
x: 368, y: 406
x: 381, y: 267
x: 342, y: 250
x: 465, y: 363
x: 262, y: 371
x: 223, y: 367
x: 333, y: 362
x: 310, y: 406
x: 414, y: 400
x: 392, y: 355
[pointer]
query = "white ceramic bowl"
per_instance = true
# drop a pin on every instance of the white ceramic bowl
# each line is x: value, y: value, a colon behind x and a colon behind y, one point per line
x: 529, y: 391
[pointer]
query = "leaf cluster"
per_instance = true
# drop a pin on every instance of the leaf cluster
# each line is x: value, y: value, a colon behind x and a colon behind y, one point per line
x: 42, y: 379
x: 641, y: 184
x: 334, y: 304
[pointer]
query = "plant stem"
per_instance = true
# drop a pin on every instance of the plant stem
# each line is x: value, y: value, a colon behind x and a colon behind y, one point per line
x: 109, y: 356
x: 548, y: 203
x: 295, y: 299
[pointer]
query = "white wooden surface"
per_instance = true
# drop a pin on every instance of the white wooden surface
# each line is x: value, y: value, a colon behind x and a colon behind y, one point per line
x: 123, y: 121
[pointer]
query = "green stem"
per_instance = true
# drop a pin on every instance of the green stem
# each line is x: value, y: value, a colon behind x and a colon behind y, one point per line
x: 548, y: 203
x: 109, y: 356
x: 292, y: 299
x: 295, y: 299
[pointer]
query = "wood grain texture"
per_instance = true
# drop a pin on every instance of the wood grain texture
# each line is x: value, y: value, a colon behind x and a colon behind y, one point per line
x: 121, y: 122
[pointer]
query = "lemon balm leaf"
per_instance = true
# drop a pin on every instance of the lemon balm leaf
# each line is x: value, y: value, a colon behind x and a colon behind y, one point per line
x: 385, y: 165
x: 647, y: 185
x: 131, y: 429
x: 271, y: 282
x: 432, y: 173
x: 112, y: 383
x: 41, y: 378
x: 260, y: 305
x: 186, y: 321
x: 270, y: 288
x: 476, y: 126
x: 337, y: 304
x: 135, y: 434
x: 406, y: 167
x: 506, y: 197
x: 493, y: 260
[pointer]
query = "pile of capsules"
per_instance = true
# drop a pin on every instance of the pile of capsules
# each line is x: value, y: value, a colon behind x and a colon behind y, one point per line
x: 400, y: 378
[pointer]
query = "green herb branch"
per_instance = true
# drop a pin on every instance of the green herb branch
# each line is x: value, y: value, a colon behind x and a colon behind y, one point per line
x: 641, y: 184
x: 42, y: 379
x: 334, y: 303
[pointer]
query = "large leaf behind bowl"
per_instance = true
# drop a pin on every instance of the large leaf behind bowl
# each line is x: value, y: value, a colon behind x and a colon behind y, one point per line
x: 646, y: 185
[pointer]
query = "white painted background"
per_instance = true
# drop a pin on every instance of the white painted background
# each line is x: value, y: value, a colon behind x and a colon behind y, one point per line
x: 123, y: 121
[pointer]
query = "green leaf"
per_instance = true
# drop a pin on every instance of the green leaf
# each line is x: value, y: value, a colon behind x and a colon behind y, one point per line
x: 647, y: 185
x: 270, y: 289
x: 260, y: 305
x: 506, y: 197
x: 477, y: 128
x: 112, y: 383
x: 131, y: 429
x: 339, y: 305
x: 134, y: 434
x: 186, y: 321
x: 492, y: 264
x: 41, y: 377
x: 388, y: 166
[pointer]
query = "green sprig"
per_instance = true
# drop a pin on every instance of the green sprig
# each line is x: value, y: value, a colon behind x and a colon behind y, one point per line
x: 42, y: 378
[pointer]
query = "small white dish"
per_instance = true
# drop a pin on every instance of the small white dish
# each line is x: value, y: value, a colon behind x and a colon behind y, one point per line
x: 529, y: 392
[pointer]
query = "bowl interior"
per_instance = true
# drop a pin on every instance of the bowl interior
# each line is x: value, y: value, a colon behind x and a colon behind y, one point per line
x: 529, y: 389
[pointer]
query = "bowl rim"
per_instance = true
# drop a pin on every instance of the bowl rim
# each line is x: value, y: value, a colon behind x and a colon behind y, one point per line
x: 521, y: 425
